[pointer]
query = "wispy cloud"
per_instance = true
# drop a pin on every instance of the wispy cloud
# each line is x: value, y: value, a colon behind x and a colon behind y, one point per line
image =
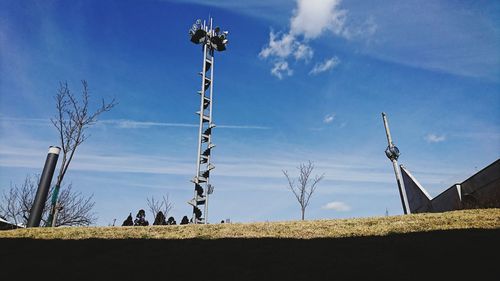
x: 126, y: 124
x: 493, y: 134
x: 303, y: 52
x: 264, y: 167
x: 25, y: 121
x: 280, y: 69
x: 329, y: 118
x: 241, y: 171
x: 324, y: 66
x: 243, y: 127
x: 441, y: 41
x: 273, y: 11
x: 337, y: 206
x: 434, y: 138
x: 131, y: 124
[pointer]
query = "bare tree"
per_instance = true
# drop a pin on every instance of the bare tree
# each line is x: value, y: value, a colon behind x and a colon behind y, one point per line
x: 75, y: 208
x: 305, y: 186
x: 71, y: 121
x: 164, y: 205
x: 15, y: 204
x: 9, y: 206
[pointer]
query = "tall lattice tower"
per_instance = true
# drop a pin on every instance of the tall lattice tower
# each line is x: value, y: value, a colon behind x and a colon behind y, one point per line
x: 211, y: 39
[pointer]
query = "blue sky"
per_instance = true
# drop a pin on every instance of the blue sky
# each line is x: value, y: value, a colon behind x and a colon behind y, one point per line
x: 301, y: 80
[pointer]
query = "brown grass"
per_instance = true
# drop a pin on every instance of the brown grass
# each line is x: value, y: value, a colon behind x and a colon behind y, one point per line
x: 375, y: 226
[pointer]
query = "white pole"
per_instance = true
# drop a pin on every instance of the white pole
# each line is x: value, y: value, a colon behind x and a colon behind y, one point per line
x: 397, y: 172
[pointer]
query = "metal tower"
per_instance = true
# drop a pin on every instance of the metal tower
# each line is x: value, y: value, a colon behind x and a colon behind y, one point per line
x: 392, y: 152
x: 211, y: 40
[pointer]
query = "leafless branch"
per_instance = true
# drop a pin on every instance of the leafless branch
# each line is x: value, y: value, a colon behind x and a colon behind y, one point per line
x: 9, y: 209
x: 154, y: 205
x: 305, y: 187
x: 75, y: 209
x: 15, y: 204
x: 164, y: 205
x: 71, y: 121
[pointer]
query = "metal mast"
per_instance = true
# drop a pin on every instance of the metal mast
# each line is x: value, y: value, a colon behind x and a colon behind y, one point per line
x: 392, y: 152
x: 211, y: 40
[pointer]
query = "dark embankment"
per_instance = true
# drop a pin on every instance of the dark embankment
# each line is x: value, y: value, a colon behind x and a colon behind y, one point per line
x: 472, y: 254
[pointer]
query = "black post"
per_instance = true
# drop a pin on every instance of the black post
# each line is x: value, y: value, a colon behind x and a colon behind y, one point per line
x: 43, y: 187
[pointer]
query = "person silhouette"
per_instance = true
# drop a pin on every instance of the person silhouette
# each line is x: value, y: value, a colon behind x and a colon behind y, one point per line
x: 160, y: 219
x: 171, y: 221
x: 185, y: 220
x: 141, y: 219
x: 128, y: 221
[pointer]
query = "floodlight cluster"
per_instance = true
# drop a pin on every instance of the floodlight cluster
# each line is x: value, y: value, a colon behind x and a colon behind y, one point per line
x: 214, y: 38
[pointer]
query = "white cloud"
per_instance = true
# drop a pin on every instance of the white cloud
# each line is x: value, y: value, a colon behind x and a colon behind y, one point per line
x: 282, y: 46
x: 281, y: 68
x: 313, y: 17
x: 329, y: 118
x: 324, y: 66
x: 279, y: 47
x: 310, y: 20
x: 433, y: 138
x: 337, y: 206
x: 304, y: 52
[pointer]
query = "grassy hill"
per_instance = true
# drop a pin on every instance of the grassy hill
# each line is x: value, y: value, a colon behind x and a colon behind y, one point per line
x: 462, y: 245
x: 375, y: 226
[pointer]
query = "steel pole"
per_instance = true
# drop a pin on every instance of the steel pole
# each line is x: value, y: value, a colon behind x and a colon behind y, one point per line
x: 200, y: 129
x: 387, y: 131
x: 43, y: 187
x: 401, y: 188
x: 207, y: 194
x: 397, y: 172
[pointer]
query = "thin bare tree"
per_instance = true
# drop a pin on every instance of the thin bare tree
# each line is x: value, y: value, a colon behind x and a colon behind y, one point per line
x: 15, y: 204
x: 164, y: 205
x: 305, y: 186
x: 10, y: 207
x: 75, y: 208
x: 71, y: 121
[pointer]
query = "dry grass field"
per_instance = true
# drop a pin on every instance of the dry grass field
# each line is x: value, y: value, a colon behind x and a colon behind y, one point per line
x: 375, y: 226
x: 461, y: 245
